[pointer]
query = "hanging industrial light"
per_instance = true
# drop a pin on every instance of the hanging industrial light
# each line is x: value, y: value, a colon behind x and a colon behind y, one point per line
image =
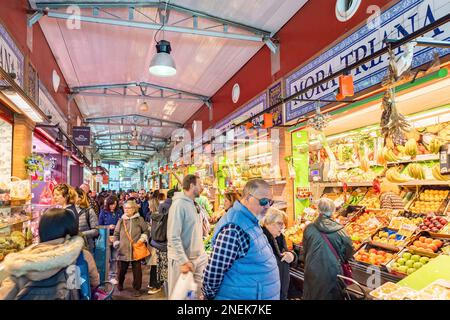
x: 144, y: 107
x: 162, y: 63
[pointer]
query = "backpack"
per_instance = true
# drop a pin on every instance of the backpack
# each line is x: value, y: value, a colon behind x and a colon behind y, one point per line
x: 159, y: 225
x: 61, y: 286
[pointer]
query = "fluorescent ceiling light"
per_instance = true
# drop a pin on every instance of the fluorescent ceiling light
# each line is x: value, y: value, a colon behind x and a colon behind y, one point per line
x: 23, y: 105
x: 162, y: 63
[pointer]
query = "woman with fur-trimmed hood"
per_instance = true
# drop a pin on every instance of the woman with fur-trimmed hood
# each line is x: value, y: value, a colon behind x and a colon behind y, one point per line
x: 60, y: 247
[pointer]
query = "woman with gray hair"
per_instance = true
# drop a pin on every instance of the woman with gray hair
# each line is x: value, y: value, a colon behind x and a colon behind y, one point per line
x: 323, y: 242
x: 273, y: 224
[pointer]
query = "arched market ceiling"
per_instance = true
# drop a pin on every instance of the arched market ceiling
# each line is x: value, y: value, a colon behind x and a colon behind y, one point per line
x: 104, y: 54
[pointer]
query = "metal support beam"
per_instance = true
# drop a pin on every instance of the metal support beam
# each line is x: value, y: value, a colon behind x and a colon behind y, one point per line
x: 131, y: 125
x: 154, y: 138
x: 126, y: 144
x: 210, y: 108
x: 140, y: 97
x: 272, y: 46
x: 128, y: 149
x: 134, y: 116
x: 146, y: 4
x: 426, y: 42
x: 35, y: 17
x: 155, y: 26
x: 102, y: 91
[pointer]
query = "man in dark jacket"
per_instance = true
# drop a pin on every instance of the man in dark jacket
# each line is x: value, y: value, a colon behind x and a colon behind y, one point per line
x: 321, y: 265
x: 144, y: 207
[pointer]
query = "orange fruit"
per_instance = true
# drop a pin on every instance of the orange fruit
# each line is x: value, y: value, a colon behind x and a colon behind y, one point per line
x: 422, y: 239
x: 428, y: 240
x: 437, y: 242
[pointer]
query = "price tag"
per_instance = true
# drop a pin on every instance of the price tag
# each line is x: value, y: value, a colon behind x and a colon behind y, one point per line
x: 374, y: 222
x: 407, y: 229
x: 396, y: 223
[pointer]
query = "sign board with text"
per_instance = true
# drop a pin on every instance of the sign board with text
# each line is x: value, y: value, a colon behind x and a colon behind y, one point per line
x: 398, y: 21
x: 82, y: 136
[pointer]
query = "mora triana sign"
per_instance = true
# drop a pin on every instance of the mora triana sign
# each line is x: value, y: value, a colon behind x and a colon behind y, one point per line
x: 398, y: 21
x: 82, y: 136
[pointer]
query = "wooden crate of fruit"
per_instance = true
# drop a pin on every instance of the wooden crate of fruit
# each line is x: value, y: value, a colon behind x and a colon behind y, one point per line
x: 369, y: 254
x: 431, y: 201
x: 433, y: 224
x: 406, y: 262
x: 364, y: 226
x: 390, y: 239
x: 433, y: 244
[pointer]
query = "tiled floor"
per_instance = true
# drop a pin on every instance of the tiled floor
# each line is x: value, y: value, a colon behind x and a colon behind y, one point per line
x: 127, y: 293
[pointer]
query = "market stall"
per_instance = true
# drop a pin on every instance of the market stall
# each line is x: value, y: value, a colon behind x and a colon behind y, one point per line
x: 348, y: 167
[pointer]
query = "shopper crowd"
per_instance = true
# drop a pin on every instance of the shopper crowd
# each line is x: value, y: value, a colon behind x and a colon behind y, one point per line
x: 249, y: 260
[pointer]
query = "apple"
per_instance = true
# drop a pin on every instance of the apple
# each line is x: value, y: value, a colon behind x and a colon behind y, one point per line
x: 410, y: 270
x: 402, y: 269
x: 434, y: 229
x: 442, y: 221
x: 401, y: 261
x: 409, y: 263
x: 406, y: 255
x: 417, y: 265
x: 424, y: 260
x: 415, y: 258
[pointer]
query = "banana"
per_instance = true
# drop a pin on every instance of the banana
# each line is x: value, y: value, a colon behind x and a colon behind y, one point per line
x: 436, y: 171
x: 435, y: 145
x: 389, y: 155
x: 411, y: 148
x: 401, y: 149
x: 381, y: 160
x: 392, y: 175
x: 416, y: 171
x: 365, y: 165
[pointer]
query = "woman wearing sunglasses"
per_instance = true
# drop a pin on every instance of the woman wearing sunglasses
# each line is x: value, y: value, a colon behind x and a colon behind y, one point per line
x: 273, y: 225
x: 242, y: 264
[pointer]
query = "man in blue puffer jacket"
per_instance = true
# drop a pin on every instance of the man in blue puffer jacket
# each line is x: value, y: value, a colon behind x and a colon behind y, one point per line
x: 242, y: 265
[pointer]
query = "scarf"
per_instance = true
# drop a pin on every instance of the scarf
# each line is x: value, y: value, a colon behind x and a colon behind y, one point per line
x: 278, y: 244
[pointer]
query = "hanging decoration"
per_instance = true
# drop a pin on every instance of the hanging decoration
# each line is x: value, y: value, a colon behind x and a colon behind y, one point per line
x: 393, y: 124
x: 34, y: 164
x: 319, y: 121
x: 399, y: 67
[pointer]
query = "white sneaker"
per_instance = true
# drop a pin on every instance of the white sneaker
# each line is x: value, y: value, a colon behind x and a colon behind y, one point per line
x: 154, y: 290
x: 114, y: 281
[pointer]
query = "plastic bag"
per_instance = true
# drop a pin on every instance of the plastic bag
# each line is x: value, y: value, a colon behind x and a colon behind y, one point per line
x: 185, y: 287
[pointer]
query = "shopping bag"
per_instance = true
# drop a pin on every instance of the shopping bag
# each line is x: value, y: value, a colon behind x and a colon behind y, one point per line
x: 184, y: 287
